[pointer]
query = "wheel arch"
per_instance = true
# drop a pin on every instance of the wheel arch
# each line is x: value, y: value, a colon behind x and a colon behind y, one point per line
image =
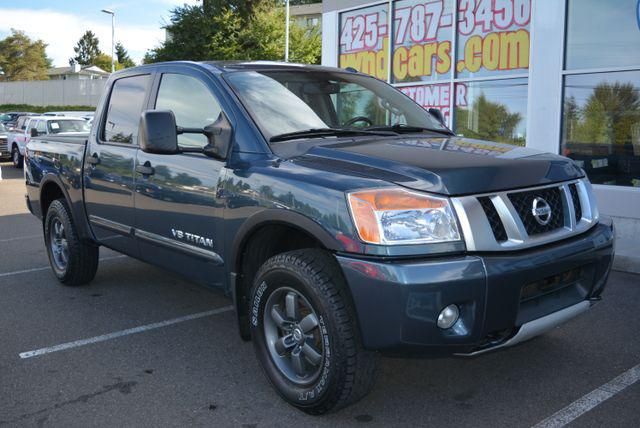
x: 262, y: 236
x: 51, y: 188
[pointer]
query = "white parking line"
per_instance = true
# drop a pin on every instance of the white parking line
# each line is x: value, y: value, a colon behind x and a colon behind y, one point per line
x: 20, y: 237
x: 591, y: 400
x: 121, y: 333
x: 18, y: 272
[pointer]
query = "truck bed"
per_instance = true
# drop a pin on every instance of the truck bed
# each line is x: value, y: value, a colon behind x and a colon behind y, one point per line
x: 56, y: 158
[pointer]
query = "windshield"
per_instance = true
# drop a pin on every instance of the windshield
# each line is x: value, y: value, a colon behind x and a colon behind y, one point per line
x: 60, y: 126
x: 283, y: 102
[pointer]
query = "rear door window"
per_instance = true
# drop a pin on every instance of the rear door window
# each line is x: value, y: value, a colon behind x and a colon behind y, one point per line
x: 125, y: 106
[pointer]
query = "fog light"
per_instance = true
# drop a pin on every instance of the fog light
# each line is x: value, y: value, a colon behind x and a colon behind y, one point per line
x: 448, y: 317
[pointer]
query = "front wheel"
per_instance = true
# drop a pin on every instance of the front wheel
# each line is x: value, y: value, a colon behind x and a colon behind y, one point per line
x: 16, y: 157
x: 304, y: 331
x: 74, y: 261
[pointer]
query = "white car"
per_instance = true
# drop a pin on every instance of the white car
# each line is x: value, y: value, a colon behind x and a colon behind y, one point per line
x: 43, y: 125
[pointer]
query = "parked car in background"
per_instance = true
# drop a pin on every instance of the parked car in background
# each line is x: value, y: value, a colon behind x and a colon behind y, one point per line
x: 86, y: 115
x: 41, y: 125
x: 9, y: 119
x: 4, y: 147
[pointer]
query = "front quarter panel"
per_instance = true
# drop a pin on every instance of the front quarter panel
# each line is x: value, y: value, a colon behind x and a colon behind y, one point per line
x: 275, y: 191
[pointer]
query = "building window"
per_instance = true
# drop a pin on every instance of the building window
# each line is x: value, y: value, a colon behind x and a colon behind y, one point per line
x: 601, y: 109
x: 602, y: 34
x: 363, y: 40
x: 601, y: 129
x: 491, y: 41
x: 492, y: 110
x: 422, y: 40
x: 493, y: 37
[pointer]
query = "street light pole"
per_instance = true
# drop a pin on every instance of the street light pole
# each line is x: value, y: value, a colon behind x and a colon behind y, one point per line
x: 113, y: 26
x: 286, y: 36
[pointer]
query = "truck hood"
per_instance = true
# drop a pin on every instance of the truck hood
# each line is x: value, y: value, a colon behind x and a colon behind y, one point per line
x: 444, y: 165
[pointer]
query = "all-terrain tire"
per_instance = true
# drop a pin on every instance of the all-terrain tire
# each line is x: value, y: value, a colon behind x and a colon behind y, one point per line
x: 82, y: 257
x: 347, y: 371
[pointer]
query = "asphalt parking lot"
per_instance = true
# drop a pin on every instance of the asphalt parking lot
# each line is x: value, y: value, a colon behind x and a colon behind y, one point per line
x: 160, y: 351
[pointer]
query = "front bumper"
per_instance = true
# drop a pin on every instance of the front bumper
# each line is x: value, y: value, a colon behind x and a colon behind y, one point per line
x: 504, y: 298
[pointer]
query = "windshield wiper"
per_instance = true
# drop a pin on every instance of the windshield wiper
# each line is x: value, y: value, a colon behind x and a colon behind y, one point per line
x: 328, y: 132
x: 407, y: 129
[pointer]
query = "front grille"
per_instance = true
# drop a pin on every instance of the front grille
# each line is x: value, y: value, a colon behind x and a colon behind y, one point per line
x: 511, y: 211
x: 523, y: 203
x: 494, y: 219
x: 3, y: 145
x: 573, y: 188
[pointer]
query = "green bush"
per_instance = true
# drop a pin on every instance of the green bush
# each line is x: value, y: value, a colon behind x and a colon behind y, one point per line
x: 41, y: 109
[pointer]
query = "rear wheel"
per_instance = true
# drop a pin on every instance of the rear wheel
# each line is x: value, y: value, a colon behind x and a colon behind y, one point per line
x: 304, y: 331
x: 73, y: 261
x: 16, y: 157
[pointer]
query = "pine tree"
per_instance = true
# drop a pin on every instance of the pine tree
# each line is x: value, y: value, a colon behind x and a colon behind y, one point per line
x: 87, y: 49
x: 123, y: 57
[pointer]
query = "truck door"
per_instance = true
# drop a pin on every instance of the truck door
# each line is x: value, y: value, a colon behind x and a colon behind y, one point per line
x: 109, y: 163
x: 178, y: 211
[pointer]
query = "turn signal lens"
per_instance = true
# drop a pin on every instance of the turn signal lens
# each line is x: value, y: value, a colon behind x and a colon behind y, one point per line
x: 397, y: 216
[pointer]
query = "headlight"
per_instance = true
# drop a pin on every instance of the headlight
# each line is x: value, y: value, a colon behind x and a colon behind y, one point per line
x: 394, y: 216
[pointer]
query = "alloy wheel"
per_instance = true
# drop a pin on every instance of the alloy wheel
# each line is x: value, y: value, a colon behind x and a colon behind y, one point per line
x: 293, y: 336
x: 59, y: 244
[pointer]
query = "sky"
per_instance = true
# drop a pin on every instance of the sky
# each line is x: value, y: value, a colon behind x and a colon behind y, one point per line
x: 60, y: 23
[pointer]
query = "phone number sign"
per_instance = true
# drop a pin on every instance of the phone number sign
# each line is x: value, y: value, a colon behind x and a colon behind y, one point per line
x: 492, y: 38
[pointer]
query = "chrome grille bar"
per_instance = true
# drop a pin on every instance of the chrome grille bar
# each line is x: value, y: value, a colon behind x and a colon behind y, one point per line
x: 478, y: 233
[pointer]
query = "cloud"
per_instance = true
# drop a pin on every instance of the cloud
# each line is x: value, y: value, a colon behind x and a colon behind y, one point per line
x: 61, y: 32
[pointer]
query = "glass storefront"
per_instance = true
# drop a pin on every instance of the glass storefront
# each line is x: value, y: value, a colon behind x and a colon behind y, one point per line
x: 466, y: 57
x: 602, y: 126
x: 494, y: 110
x: 602, y: 34
x: 601, y: 108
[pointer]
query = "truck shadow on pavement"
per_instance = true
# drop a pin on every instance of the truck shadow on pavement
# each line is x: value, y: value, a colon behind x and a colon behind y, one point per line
x: 9, y: 172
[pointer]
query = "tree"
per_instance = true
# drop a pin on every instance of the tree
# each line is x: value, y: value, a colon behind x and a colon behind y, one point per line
x: 239, y: 29
x: 608, y: 116
x: 87, y: 49
x: 123, y: 56
x: 104, y: 62
x: 22, y: 58
x: 490, y: 121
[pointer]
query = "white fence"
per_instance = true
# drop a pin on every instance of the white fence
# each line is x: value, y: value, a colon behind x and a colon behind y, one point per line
x: 72, y: 92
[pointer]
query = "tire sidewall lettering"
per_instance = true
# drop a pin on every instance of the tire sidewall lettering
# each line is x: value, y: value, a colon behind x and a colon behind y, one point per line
x: 302, y: 394
x: 255, y: 308
x: 319, y: 387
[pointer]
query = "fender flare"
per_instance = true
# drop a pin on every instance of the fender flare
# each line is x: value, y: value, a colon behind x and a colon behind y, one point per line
x: 78, y: 220
x: 52, y: 178
x: 282, y: 217
x: 260, y: 219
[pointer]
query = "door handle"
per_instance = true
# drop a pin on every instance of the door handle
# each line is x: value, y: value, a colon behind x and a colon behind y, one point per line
x: 145, y: 169
x: 93, y: 159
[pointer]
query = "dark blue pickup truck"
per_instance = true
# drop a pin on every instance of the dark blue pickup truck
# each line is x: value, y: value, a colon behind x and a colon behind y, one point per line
x: 343, y: 219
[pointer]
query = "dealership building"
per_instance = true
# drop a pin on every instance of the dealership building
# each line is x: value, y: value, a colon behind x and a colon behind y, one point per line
x: 554, y: 75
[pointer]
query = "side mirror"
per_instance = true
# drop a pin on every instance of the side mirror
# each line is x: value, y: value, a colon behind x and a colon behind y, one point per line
x: 435, y: 112
x: 219, y: 134
x: 33, y: 132
x: 158, y: 133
